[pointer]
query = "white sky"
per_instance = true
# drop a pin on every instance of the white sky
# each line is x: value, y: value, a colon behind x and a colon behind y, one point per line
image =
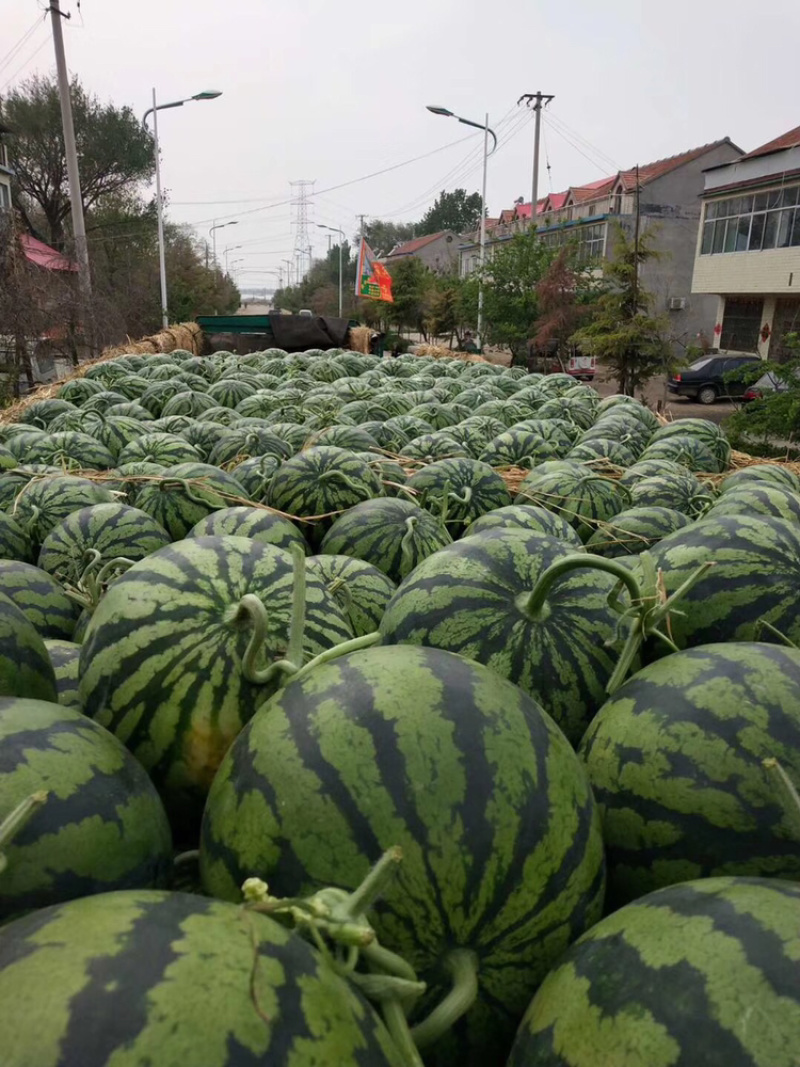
x: 333, y: 90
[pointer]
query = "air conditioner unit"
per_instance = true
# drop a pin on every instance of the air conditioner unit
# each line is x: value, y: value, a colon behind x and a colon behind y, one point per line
x: 676, y: 303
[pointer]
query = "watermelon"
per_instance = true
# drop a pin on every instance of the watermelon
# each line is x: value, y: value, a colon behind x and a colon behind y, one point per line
x: 603, y: 451
x: 429, y: 447
x: 755, y: 578
x: 758, y: 498
x: 228, y: 392
x: 419, y: 748
x: 242, y: 442
x: 583, y: 498
x: 703, y: 973
x: 187, y: 493
x: 79, y: 389
x: 361, y: 590
x: 393, y: 535
x: 69, y: 449
x: 675, y: 759
x: 319, y: 483
x: 167, y: 449
x: 131, y: 477
x: 391, y: 475
x: 42, y: 412
x: 44, y: 502
x: 458, y: 491
x: 709, y: 433
x: 524, y: 448
x: 678, y: 492
x: 40, y: 598
x: 14, y: 540
x: 117, y: 431
x: 634, y: 530
x: 255, y: 474
x: 64, y: 656
x: 102, y: 826
x: 174, y: 661
x: 692, y: 452
x: 473, y: 597
x: 259, y: 524
x: 25, y: 667
x: 352, y: 437
x: 187, y: 403
x: 772, y: 473
x: 526, y: 517
x: 100, y: 533
x: 168, y: 979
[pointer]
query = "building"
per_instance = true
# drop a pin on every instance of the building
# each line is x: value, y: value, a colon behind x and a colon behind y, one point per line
x: 5, y: 171
x: 748, y: 248
x: 667, y: 194
x: 438, y: 251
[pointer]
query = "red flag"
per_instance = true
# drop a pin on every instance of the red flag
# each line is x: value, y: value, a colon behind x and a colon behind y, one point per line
x: 372, y: 278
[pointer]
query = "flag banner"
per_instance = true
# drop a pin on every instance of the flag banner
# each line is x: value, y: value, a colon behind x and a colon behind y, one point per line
x: 372, y: 278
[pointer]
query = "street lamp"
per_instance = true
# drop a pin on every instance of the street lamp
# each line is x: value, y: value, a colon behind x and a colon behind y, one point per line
x: 335, y: 229
x: 208, y: 94
x: 288, y: 263
x: 486, y: 153
x: 226, y: 250
x: 220, y: 226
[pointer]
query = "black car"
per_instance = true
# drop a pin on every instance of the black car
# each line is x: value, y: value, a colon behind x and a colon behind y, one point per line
x: 704, y: 380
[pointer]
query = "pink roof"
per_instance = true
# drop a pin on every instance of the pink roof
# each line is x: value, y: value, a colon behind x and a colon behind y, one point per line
x: 42, y: 255
x: 557, y: 200
x: 786, y: 140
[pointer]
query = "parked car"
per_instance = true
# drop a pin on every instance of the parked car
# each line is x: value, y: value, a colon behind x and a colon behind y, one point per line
x: 705, y: 379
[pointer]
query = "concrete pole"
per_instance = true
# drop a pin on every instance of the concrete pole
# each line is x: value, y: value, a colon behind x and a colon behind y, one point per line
x: 162, y: 263
x: 483, y: 231
x: 76, y: 203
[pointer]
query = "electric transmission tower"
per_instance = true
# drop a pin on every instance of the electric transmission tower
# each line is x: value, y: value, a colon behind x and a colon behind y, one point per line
x: 302, y: 241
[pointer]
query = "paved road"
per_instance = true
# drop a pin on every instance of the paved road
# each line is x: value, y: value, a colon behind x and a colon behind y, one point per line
x: 677, y: 407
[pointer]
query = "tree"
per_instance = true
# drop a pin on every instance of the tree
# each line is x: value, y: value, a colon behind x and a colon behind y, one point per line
x: 451, y: 312
x: 511, y: 300
x: 115, y: 152
x: 383, y: 236
x: 455, y: 211
x: 624, y: 334
x: 565, y: 295
x: 412, y: 288
x: 765, y: 426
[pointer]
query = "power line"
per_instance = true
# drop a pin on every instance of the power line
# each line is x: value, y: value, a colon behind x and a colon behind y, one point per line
x: 577, y: 148
x: 13, y: 51
x: 24, y: 64
x: 598, y: 153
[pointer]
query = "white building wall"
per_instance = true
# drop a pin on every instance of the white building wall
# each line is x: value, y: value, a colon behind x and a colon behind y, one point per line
x: 774, y: 270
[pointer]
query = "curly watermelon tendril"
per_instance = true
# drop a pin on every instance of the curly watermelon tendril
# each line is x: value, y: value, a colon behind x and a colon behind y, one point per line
x: 649, y: 610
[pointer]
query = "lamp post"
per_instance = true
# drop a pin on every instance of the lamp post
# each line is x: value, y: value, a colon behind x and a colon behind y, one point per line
x: 226, y: 250
x: 208, y: 94
x: 486, y: 153
x: 288, y: 263
x: 335, y: 229
x: 219, y: 226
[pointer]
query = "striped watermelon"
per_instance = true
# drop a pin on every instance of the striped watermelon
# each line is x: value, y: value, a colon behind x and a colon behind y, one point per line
x: 187, y: 493
x: 351, y: 437
x: 758, y: 498
x: 321, y: 481
x: 131, y: 477
x: 40, y: 598
x: 79, y: 389
x: 206, y: 436
x: 526, y: 517
x: 361, y: 590
x: 414, y: 747
x: 458, y: 491
x: 69, y: 449
x: 679, y: 492
x: 255, y: 474
x: 102, y: 826
x: 391, y: 475
x: 675, y: 759
x: 393, y: 535
x: 117, y: 431
x: 25, y: 667
x: 187, y: 403
x: 64, y: 656
x: 14, y: 541
x: 634, y: 530
x: 583, y: 498
x: 147, y: 977
x: 228, y: 392
x: 177, y: 678
x: 429, y: 447
x: 165, y: 448
x: 703, y: 973
x: 256, y: 523
x: 755, y: 578
x: 44, y: 502
x: 771, y: 473
x: 603, y: 451
x: 245, y: 442
x: 692, y: 452
x: 472, y: 597
x: 109, y: 530
x: 42, y: 412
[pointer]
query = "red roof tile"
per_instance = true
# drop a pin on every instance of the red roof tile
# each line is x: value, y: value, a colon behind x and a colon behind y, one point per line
x: 786, y: 140
x: 43, y: 255
x: 650, y: 171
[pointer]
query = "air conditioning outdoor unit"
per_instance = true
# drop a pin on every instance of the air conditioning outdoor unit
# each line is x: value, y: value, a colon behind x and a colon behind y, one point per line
x: 676, y: 303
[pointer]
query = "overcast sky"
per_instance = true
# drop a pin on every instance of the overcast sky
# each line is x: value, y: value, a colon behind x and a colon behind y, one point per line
x: 333, y: 91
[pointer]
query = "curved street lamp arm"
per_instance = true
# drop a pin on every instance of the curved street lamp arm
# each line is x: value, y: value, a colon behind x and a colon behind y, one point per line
x: 480, y: 126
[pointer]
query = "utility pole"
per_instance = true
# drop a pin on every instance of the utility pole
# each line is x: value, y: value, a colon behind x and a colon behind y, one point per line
x: 536, y: 101
x: 73, y: 177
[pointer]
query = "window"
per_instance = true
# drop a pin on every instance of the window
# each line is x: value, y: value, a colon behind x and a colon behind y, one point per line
x: 741, y: 325
x: 5, y: 196
x: 589, y: 241
x: 3, y: 155
x: 752, y: 223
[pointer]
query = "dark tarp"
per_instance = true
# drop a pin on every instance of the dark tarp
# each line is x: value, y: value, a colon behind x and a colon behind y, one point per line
x: 296, y: 333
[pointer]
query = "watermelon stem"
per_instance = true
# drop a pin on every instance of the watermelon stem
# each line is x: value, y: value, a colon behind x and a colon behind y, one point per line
x: 251, y: 606
x: 775, y: 632
x: 16, y: 819
x: 396, y: 1023
x: 773, y: 765
x: 463, y: 966
x: 342, y: 649
x: 365, y: 895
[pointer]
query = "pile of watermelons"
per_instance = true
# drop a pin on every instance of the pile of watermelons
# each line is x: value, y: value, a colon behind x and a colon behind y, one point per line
x: 319, y: 746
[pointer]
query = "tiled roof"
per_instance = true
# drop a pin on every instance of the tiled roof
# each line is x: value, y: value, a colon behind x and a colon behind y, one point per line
x: 593, y: 189
x: 650, y: 171
x: 43, y: 255
x: 786, y: 140
x: 410, y: 247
